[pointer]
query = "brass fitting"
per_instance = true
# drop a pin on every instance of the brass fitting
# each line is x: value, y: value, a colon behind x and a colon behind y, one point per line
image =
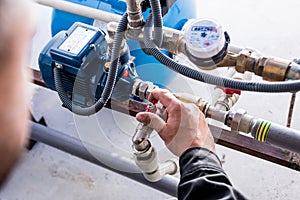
x: 269, y: 68
x: 107, y: 65
x: 245, y: 61
x: 229, y: 60
x: 274, y: 69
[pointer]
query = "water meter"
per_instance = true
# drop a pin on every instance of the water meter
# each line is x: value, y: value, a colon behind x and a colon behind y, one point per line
x: 206, y: 42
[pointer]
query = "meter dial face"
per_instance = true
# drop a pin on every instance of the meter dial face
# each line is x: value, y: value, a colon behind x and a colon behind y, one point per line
x: 204, y: 38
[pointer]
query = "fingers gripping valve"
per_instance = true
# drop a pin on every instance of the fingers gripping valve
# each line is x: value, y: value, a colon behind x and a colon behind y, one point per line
x: 145, y: 155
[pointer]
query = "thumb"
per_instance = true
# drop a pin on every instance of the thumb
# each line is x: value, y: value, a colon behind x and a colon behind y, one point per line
x: 152, y: 120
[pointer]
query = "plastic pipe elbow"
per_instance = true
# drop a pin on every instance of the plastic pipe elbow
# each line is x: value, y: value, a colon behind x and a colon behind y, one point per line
x: 153, y: 171
x: 169, y: 167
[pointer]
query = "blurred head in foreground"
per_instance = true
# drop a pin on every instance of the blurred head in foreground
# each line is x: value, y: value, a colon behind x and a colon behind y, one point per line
x: 16, y: 31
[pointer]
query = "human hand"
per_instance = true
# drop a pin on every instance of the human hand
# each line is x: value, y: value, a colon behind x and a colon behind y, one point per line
x: 185, y: 125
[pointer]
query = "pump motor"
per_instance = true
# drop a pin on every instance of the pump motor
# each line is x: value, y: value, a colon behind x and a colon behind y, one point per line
x: 81, y: 56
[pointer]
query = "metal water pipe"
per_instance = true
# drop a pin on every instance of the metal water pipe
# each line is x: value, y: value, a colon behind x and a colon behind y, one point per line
x: 100, y: 157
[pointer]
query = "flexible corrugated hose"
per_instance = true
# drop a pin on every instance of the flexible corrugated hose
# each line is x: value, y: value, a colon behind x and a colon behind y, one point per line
x: 157, y: 22
x: 153, y: 50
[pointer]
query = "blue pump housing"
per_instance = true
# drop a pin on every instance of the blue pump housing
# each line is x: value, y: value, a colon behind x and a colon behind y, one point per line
x: 71, y: 62
x: 147, y: 66
x: 81, y: 54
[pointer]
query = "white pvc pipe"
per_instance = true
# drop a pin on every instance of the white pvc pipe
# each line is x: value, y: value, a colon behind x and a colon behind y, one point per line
x: 80, y: 10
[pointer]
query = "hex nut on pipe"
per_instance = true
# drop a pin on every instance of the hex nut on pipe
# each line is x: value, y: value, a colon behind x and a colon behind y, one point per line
x: 241, y: 61
x: 143, y: 89
x: 293, y: 72
x: 135, y: 17
x: 235, y: 123
x: 246, y: 123
x: 151, y: 87
x: 135, y: 86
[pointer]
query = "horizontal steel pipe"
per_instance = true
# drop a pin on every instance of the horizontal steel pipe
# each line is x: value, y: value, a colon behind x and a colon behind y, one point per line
x: 80, y: 10
x: 100, y: 157
x: 277, y: 135
x: 223, y: 137
x: 173, y: 39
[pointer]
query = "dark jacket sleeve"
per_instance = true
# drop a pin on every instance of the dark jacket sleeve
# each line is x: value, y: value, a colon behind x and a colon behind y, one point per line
x: 202, y: 177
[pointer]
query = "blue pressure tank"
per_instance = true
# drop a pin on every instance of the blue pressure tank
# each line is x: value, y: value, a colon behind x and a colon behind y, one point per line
x: 147, y: 67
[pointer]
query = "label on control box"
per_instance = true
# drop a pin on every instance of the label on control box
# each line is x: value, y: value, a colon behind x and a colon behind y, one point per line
x: 77, y: 40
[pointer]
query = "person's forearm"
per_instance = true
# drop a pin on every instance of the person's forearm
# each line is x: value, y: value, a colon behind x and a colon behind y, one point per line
x: 202, y: 177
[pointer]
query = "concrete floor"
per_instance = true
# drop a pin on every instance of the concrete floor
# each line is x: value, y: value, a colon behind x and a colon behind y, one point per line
x: 46, y: 173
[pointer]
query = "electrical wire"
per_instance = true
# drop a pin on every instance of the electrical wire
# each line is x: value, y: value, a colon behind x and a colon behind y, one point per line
x: 152, y: 49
